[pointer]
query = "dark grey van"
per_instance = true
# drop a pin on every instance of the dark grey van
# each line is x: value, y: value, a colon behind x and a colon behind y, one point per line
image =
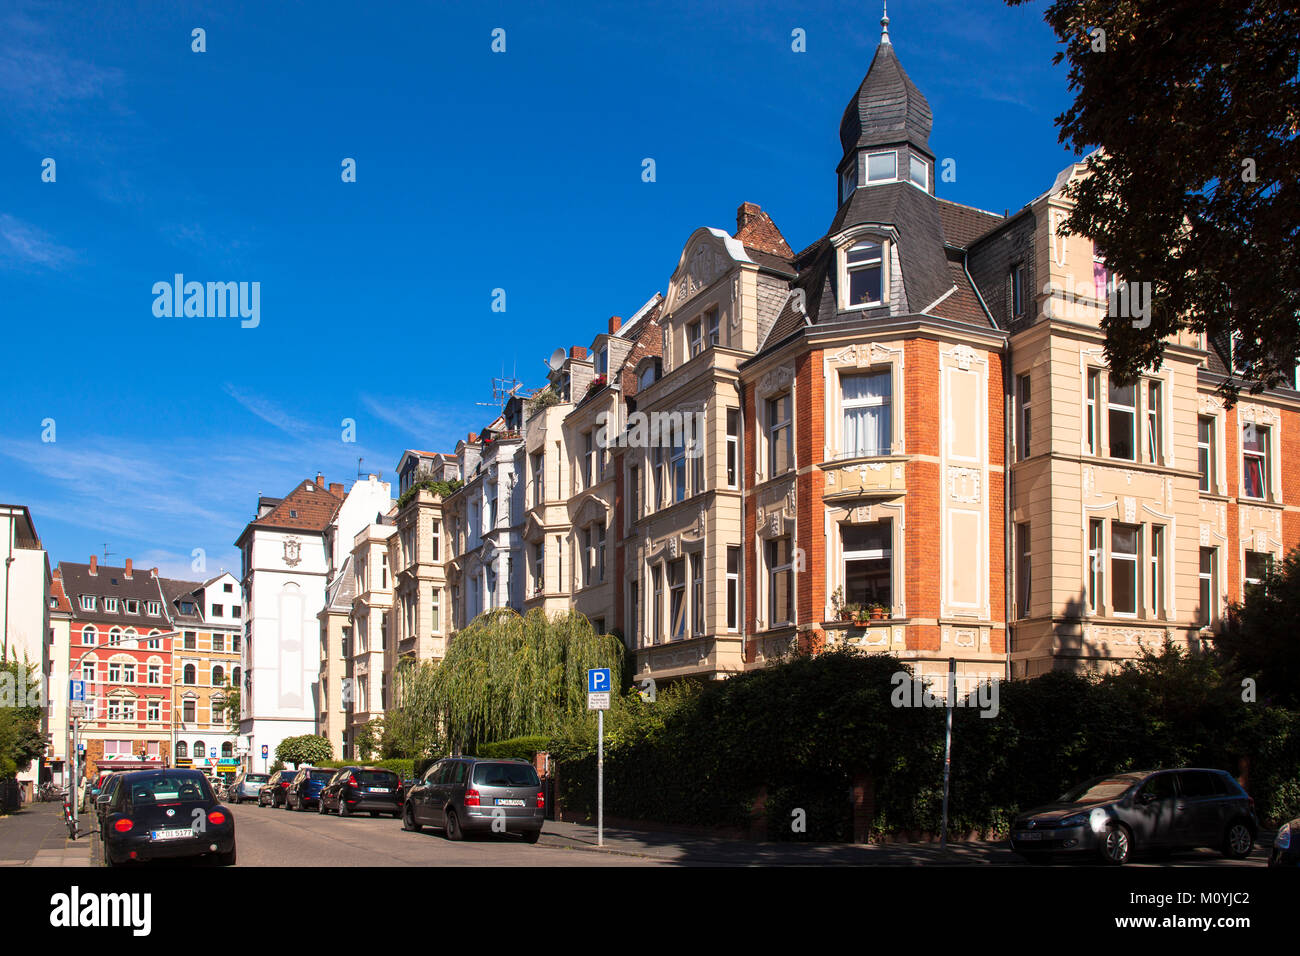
x: 462, y: 795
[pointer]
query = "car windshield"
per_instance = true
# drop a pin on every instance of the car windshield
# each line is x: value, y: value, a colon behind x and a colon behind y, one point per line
x: 324, y: 776
x: 1097, y: 790
x: 505, y: 775
x: 376, y: 778
x: 170, y: 788
x: 256, y: 778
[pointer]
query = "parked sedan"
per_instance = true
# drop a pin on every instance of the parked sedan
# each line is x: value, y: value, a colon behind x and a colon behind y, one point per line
x: 1124, y: 813
x: 105, y: 797
x: 246, y: 786
x: 463, y: 794
x: 363, y: 789
x: 1286, y: 845
x: 304, y: 790
x: 165, y: 814
x: 272, y: 794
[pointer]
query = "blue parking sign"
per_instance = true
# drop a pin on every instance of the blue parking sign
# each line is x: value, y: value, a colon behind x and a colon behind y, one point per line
x: 598, y: 680
x: 78, y: 690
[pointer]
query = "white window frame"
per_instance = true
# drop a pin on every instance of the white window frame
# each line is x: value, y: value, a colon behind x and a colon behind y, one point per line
x: 846, y: 269
x: 1265, y: 461
x: 878, y: 180
x: 1206, y: 482
x: 1133, y: 412
x: 772, y: 427
x: 733, y: 447
x: 1208, y: 579
x: 1092, y: 410
x: 1134, y: 559
x: 873, y: 402
x: 913, y: 162
x: 1156, y: 557
x: 87, y: 602
x: 1024, y: 407
x: 733, y: 590
x: 1095, y: 588
x: 769, y: 546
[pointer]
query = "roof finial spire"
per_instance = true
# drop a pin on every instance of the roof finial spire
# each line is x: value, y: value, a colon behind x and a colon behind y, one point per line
x: 884, y: 23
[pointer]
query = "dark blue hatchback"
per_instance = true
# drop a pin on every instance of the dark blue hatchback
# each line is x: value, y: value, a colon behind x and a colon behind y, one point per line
x: 305, y: 789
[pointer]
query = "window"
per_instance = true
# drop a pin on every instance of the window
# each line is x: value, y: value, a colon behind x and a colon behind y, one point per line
x: 218, y: 675
x: 539, y: 472
x: 128, y: 673
x: 219, y: 642
x: 1017, y: 291
x: 695, y: 338
x: 539, y: 567
x: 87, y: 602
x: 779, y: 582
x: 1255, y: 465
x: 132, y: 606
x: 1205, y: 452
x: 849, y: 180
x: 780, y: 435
x: 602, y: 361
x: 1258, y: 565
x: 697, y: 591
x: 1092, y: 422
x: 1124, y: 569
x: 882, y: 167
x: 153, y: 712
x: 110, y: 605
x: 589, y: 557
x: 633, y: 494
x: 346, y: 642
x: 866, y: 401
x: 1153, y: 422
x: 88, y: 635
x: 435, y: 610
x: 864, y: 264
x: 677, y: 466
x: 1209, y: 592
x: 190, y: 643
x: 713, y: 328
x: 677, y: 598
x: 1122, y: 416
x: 200, y: 749
x: 600, y: 553
x: 1024, y: 570
x: 658, y: 467
x: 634, y: 610
x: 920, y: 172
x: 868, y: 554
x: 1101, y: 280
x: 154, y: 608
x: 189, y: 674
x: 1023, y: 421
x: 656, y: 612
x: 733, y: 589
x: 434, y: 546
x: 588, y: 459
x: 189, y: 607
x: 155, y: 640
x: 218, y: 611
x: 234, y: 643
x: 228, y: 588
x: 115, y: 636
x: 1157, y: 558
x: 114, y: 672
x: 182, y: 750
x: 733, y: 446
x: 88, y: 671
x: 155, y: 674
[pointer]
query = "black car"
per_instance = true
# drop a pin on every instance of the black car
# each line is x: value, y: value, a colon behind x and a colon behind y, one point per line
x: 463, y: 794
x: 304, y: 790
x: 165, y: 814
x: 363, y: 789
x: 105, y: 797
x: 1125, y: 813
x: 272, y: 794
x: 1286, y: 848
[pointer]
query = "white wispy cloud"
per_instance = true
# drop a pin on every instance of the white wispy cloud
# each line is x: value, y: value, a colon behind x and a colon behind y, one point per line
x: 24, y: 244
x: 269, y: 412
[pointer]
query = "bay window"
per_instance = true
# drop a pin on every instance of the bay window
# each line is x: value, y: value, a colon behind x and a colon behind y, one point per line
x: 882, y: 167
x: 733, y: 589
x: 733, y: 446
x: 868, y: 560
x: 780, y: 575
x: 1205, y: 452
x: 1255, y: 460
x: 865, y: 398
x: 677, y: 598
x: 780, y: 435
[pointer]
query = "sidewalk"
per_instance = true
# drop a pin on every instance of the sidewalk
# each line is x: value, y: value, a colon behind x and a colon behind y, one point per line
x: 692, y: 849
x: 37, y: 836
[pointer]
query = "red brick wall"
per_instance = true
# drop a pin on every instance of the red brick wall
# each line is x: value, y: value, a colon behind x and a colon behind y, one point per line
x: 923, y: 536
x: 810, y: 427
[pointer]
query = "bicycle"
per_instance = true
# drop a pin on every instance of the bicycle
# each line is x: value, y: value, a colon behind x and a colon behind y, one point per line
x: 67, y: 818
x: 50, y: 792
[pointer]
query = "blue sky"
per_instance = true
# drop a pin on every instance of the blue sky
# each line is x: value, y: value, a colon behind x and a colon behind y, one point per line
x: 475, y: 170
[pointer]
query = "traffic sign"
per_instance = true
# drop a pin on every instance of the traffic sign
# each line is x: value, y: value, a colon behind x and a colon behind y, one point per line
x: 81, y: 748
x: 266, y: 751
x: 598, y: 701
x: 598, y: 680
x: 77, y: 709
x: 77, y: 690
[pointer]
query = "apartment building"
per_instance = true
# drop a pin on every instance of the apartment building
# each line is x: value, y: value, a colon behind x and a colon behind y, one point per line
x: 58, y: 656
x: 121, y: 646
x: 207, y: 619
x: 335, y: 641
x: 417, y: 556
x: 25, y: 614
x: 367, y: 685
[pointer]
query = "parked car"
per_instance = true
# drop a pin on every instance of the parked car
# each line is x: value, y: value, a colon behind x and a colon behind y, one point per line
x: 105, y: 796
x: 304, y: 790
x: 469, y: 794
x: 1122, y: 814
x: 164, y: 814
x: 1286, y: 845
x: 361, y: 789
x: 93, y: 790
x: 272, y: 794
x: 246, y: 786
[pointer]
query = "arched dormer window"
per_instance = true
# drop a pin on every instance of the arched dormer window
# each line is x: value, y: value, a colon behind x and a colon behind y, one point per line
x: 863, y: 273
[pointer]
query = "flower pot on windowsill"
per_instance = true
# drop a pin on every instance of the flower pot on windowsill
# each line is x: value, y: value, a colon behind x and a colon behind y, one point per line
x: 861, y: 617
x: 877, y: 612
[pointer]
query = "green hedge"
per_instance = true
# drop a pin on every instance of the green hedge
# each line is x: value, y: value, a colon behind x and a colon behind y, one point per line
x: 523, y: 748
x: 403, y: 767
x: 803, y: 728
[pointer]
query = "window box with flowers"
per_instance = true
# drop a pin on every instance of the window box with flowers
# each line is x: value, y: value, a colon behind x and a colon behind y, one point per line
x: 599, y: 382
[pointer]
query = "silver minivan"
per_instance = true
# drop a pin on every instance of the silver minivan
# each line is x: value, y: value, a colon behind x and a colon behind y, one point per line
x: 473, y: 794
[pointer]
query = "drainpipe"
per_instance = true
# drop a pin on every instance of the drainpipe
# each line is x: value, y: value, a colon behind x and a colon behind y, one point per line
x: 9, y: 560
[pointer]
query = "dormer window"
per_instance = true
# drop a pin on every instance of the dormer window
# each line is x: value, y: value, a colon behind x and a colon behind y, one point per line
x: 920, y: 173
x: 602, y: 361
x: 864, y: 267
x: 882, y: 167
x: 849, y: 180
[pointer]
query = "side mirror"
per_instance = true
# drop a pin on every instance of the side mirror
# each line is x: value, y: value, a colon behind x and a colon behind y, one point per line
x: 102, y: 800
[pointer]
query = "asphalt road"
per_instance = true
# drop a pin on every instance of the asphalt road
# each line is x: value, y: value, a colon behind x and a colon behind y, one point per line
x: 267, y: 837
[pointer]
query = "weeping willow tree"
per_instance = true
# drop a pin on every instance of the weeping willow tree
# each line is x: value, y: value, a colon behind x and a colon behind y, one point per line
x: 510, y: 676
x: 412, y: 727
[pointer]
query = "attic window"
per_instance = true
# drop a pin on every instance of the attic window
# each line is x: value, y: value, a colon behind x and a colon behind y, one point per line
x: 292, y: 513
x: 882, y: 167
x: 311, y: 487
x: 920, y: 171
x: 864, y: 268
x: 849, y: 180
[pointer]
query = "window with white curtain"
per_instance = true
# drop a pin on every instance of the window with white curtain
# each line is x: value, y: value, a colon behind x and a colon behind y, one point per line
x: 865, y: 398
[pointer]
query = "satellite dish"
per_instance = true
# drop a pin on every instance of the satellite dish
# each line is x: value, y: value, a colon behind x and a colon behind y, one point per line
x: 556, y: 360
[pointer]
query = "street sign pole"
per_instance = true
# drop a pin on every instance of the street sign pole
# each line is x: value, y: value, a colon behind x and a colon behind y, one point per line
x: 600, y: 778
x: 947, y: 747
x: 74, y: 789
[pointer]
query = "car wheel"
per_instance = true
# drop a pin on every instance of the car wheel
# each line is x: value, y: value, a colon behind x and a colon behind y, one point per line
x: 343, y: 807
x: 1237, y: 842
x: 320, y: 805
x: 532, y: 836
x: 454, y: 832
x: 408, y: 820
x: 1117, y: 845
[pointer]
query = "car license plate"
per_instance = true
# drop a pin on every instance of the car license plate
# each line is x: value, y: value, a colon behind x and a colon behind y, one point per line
x: 171, y: 834
x: 501, y: 802
x: 1029, y: 835
x: 378, y: 789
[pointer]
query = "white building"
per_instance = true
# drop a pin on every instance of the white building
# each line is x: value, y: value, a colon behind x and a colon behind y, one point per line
x: 25, y: 606
x: 289, y: 551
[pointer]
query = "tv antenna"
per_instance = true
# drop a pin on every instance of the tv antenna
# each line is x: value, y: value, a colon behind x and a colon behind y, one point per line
x: 502, y: 390
x: 359, y: 461
x: 107, y: 552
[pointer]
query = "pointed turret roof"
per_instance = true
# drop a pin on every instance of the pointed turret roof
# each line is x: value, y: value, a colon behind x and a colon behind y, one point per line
x: 887, y: 108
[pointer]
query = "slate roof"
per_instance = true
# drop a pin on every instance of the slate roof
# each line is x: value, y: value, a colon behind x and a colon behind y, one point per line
x: 887, y: 108
x: 340, y: 592
x: 962, y: 225
x: 112, y: 582
x: 174, y: 591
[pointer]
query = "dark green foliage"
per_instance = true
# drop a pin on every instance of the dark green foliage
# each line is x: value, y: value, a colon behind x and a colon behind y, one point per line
x: 425, y: 481
x: 522, y: 748
x: 307, y: 749
x: 403, y: 768
x: 21, y: 740
x: 1261, y: 637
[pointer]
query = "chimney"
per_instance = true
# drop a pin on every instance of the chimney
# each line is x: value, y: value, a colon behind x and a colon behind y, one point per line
x: 746, y: 212
x: 578, y: 352
x: 94, y: 564
x: 615, y: 323
x: 471, y: 438
x: 320, y: 480
x: 128, y: 569
x: 153, y: 572
x: 336, y: 489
